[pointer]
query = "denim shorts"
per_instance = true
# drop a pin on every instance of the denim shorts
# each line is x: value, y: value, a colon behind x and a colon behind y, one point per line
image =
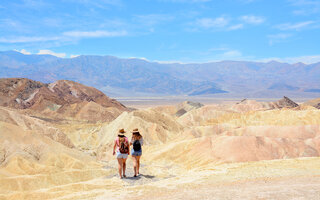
x: 136, y: 153
x: 122, y: 155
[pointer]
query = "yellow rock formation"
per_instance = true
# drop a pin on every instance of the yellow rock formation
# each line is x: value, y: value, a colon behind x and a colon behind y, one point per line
x: 252, y: 150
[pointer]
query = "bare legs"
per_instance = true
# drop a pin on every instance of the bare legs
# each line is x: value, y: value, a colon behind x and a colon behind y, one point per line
x: 134, y: 159
x: 136, y: 164
x: 122, y: 166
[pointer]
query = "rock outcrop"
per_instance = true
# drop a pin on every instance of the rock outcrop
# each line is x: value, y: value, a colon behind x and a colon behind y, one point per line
x: 285, y: 102
x: 61, y: 97
x: 187, y: 106
x: 314, y: 102
x: 33, y: 125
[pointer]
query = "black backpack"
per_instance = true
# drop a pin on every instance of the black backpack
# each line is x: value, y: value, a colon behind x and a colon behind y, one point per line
x: 136, y: 145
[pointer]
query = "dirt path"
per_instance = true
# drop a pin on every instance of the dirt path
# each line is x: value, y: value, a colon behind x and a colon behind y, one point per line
x: 276, y: 179
x: 303, y: 188
x: 290, y: 179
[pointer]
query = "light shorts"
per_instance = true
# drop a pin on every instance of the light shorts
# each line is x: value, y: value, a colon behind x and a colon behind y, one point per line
x: 136, y: 153
x: 122, y: 155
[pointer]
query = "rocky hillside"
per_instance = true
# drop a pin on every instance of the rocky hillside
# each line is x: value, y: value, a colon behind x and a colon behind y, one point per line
x: 314, y: 102
x: 183, y: 144
x: 61, y: 97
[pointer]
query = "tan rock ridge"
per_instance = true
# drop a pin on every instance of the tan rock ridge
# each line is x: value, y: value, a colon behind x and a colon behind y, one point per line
x: 187, y: 106
x: 212, y: 147
x: 314, y: 102
x: 35, y: 155
x: 31, y: 162
x: 60, y: 97
x: 285, y: 102
x: 33, y: 125
x: 73, y: 92
x: 251, y: 105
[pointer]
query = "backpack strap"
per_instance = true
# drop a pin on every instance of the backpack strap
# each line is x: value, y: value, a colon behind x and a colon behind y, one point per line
x: 118, y: 140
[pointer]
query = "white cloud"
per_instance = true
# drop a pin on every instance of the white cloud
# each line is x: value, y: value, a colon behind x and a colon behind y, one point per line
x: 248, y: 1
x: 23, y: 51
x: 49, y: 52
x: 224, y: 23
x: 305, y: 7
x: 295, y: 26
x: 153, y: 19
x: 88, y: 34
x: 66, y: 36
x: 74, y: 56
x: 235, y: 27
x: 304, y: 2
x: 99, y: 4
x: 218, y: 49
x: 25, y: 39
x: 231, y: 54
x: 304, y: 59
x: 140, y: 58
x: 278, y: 38
x: 170, y: 62
x: 43, y: 52
x: 251, y: 19
x: 218, y: 22
x: 186, y: 1
x: 223, y: 53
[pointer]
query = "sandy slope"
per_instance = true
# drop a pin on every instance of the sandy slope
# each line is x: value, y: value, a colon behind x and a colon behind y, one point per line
x: 240, y: 151
x: 276, y: 179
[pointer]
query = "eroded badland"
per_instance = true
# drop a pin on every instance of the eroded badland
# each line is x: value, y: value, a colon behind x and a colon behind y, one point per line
x: 56, y: 143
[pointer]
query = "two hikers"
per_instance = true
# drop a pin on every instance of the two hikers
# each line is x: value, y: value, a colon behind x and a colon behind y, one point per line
x: 122, y: 149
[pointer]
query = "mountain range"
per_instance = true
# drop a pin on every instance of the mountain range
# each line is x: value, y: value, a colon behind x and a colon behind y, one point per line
x: 137, y: 77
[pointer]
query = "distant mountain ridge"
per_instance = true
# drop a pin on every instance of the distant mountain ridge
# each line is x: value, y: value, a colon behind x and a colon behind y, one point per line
x: 130, y: 77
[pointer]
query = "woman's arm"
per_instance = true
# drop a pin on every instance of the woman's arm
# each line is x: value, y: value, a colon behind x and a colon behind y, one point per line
x: 131, y: 141
x: 114, y: 148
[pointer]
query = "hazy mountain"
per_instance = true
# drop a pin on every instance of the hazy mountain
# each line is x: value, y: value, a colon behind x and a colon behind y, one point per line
x: 312, y: 90
x: 128, y: 77
x: 282, y: 86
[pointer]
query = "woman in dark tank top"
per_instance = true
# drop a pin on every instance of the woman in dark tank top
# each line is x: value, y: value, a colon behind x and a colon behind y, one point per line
x: 136, y: 151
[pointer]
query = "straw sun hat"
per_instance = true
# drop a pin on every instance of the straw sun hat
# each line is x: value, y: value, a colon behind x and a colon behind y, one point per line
x: 121, y: 132
x: 135, y: 130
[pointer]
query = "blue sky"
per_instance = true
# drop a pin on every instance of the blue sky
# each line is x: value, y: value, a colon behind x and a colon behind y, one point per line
x: 165, y: 30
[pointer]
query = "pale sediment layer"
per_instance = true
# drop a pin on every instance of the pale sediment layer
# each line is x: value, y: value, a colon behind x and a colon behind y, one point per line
x: 274, y: 179
x: 249, y: 150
